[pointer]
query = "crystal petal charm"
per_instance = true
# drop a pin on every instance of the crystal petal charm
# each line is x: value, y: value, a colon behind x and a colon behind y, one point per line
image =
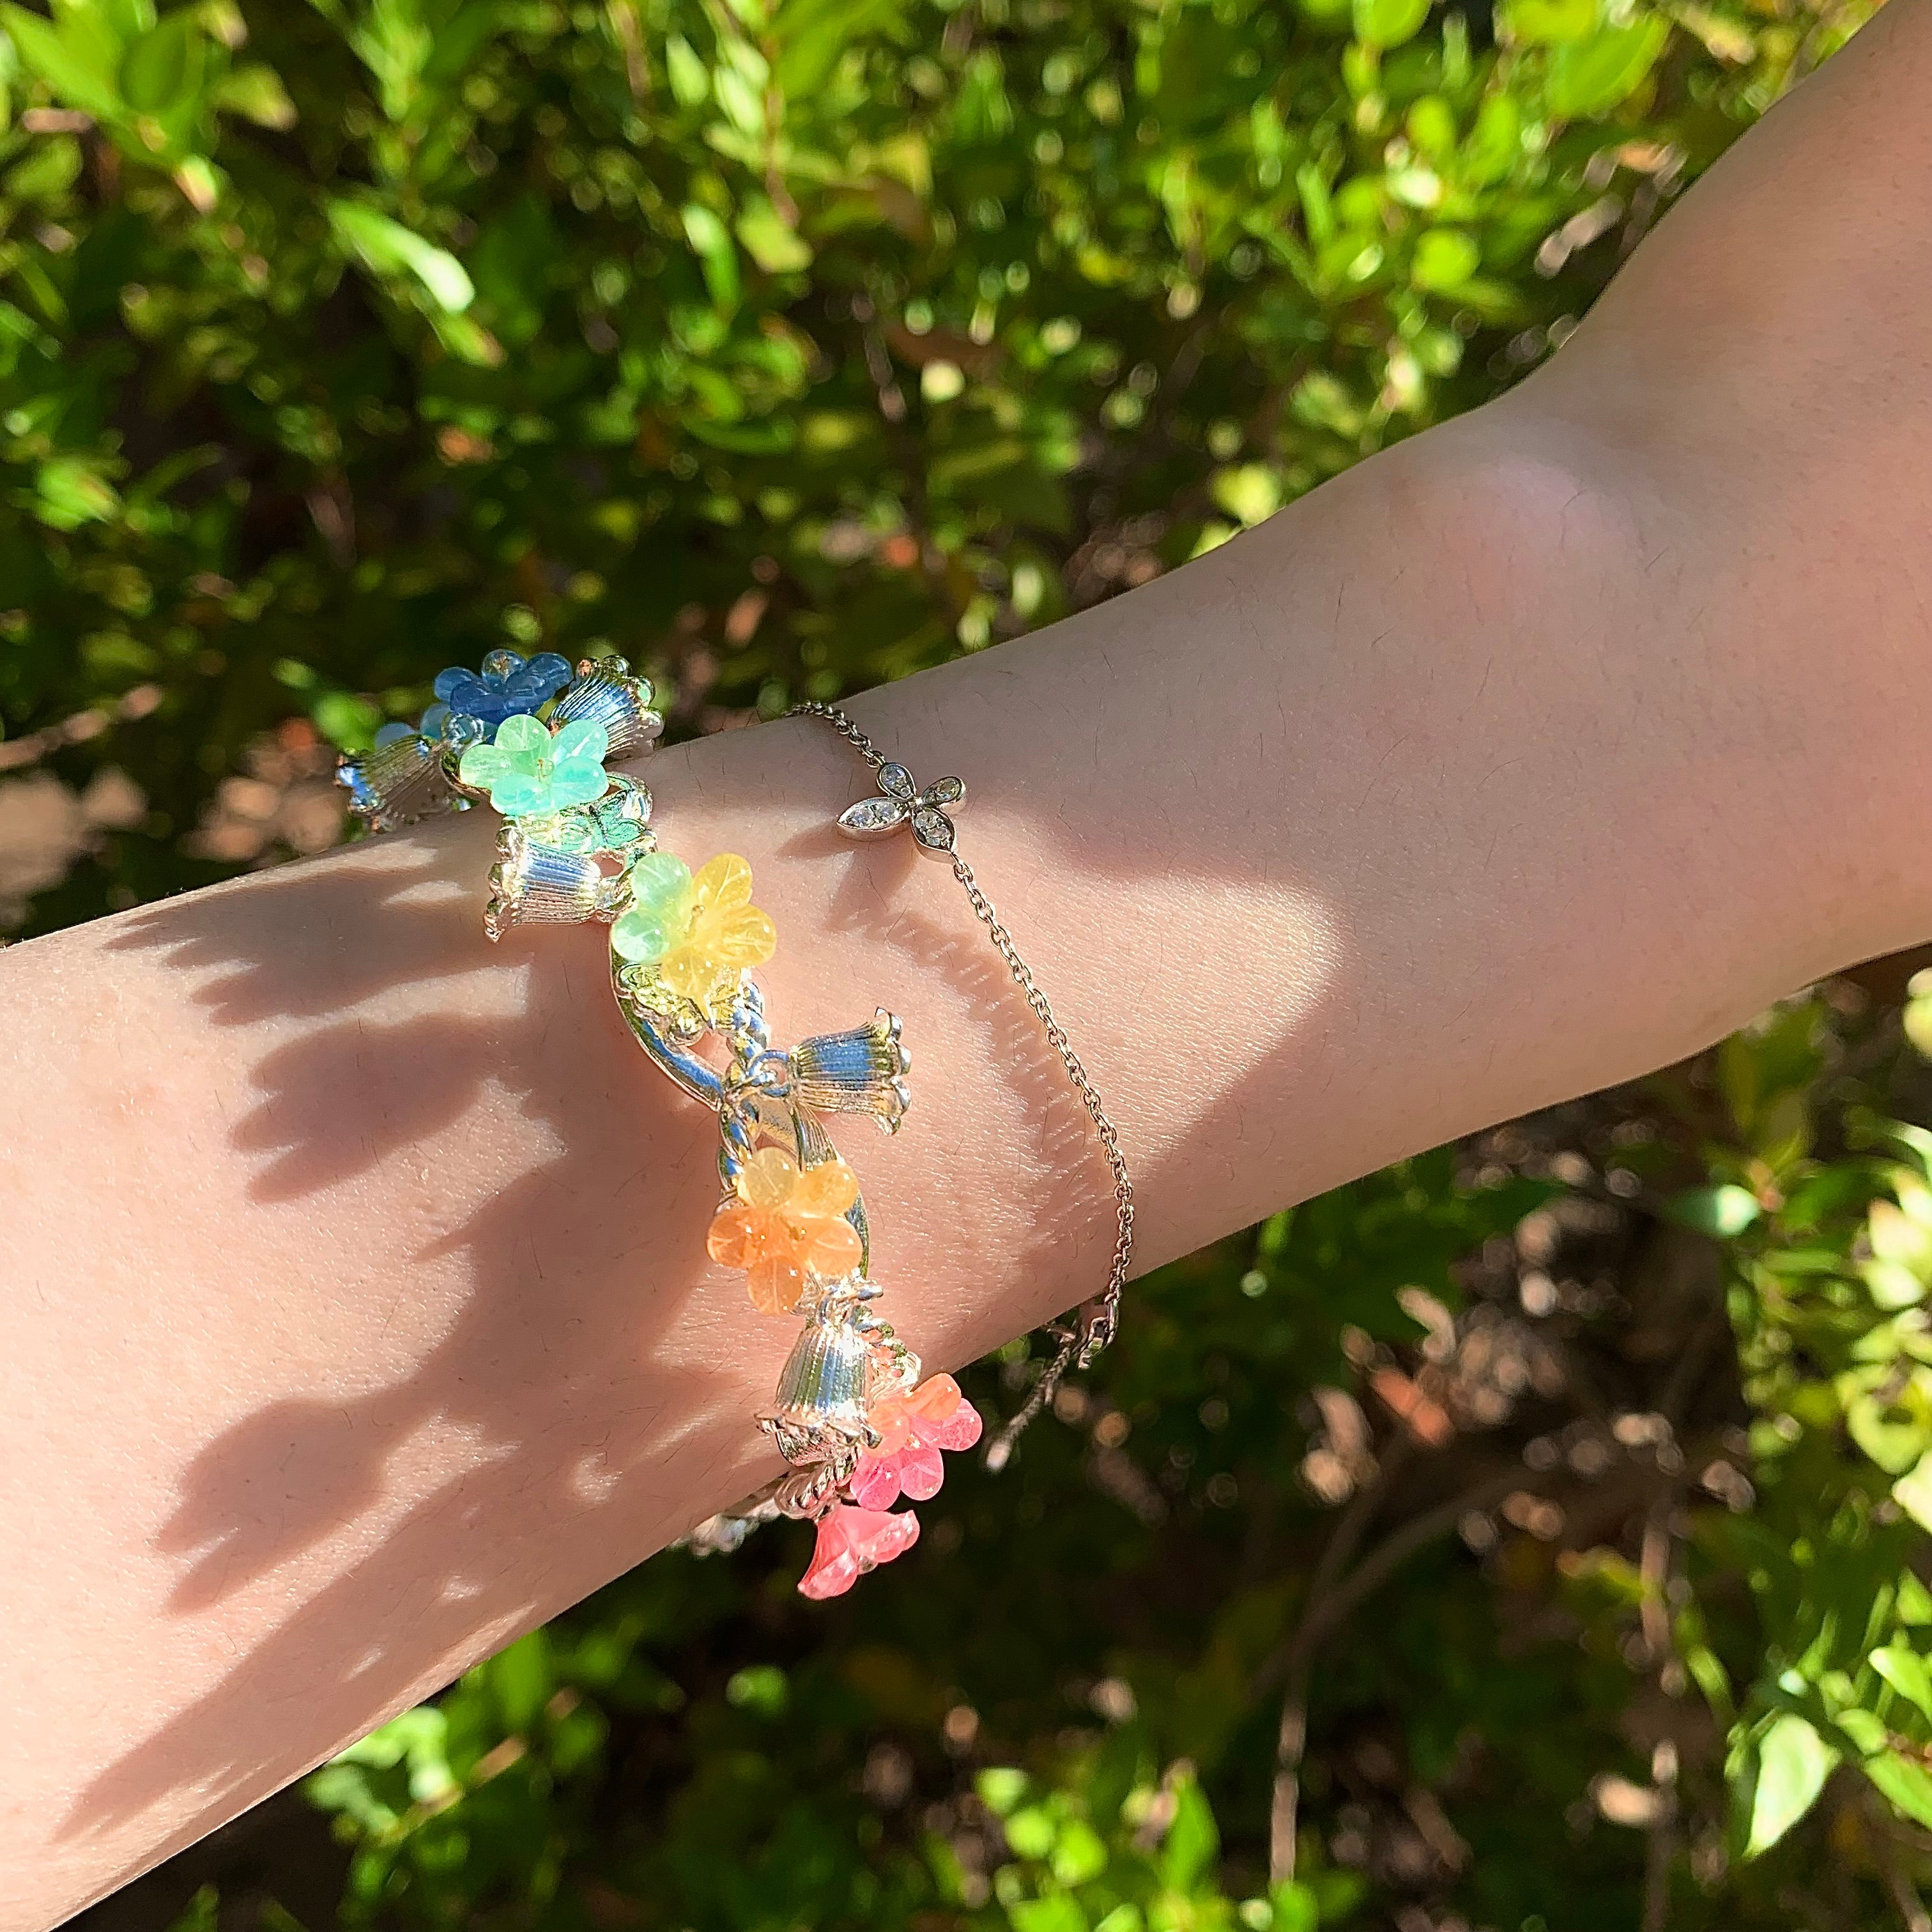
x: 931, y: 828
x: 871, y: 818
x: 900, y: 802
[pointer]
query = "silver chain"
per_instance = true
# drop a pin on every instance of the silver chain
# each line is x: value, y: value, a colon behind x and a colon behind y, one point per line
x: 1094, y: 1322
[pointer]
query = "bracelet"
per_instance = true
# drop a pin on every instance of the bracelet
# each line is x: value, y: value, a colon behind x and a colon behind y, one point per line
x: 900, y: 802
x: 858, y: 1425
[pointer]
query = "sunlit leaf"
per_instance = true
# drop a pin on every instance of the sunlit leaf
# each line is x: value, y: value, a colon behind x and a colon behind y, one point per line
x: 1913, y: 1491
x: 1592, y: 76
x: 1907, y: 1671
x: 1905, y: 1783
x: 1388, y: 23
x: 1722, y: 1213
x: 162, y: 69
x: 1792, y: 1763
x: 76, y: 66
x: 386, y: 247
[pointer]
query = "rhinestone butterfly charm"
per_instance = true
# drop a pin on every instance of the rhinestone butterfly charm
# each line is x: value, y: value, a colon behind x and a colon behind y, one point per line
x: 900, y: 802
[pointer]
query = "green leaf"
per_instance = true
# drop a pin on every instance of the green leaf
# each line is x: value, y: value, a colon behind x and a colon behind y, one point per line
x: 1059, y: 1913
x: 690, y: 82
x: 49, y: 169
x: 1192, y: 1841
x: 1913, y: 1491
x: 1865, y: 1730
x: 1495, y: 143
x: 1250, y: 492
x: 468, y: 341
x: 778, y: 248
x: 196, y: 179
x: 522, y: 1679
x: 1000, y: 1787
x: 1793, y: 1762
x: 1891, y: 1286
x: 1029, y: 1831
x: 1388, y: 23
x: 345, y: 719
x: 1722, y: 1213
x: 78, y: 72
x: 161, y: 72
x: 202, y: 1913
x: 1918, y: 1018
x: 1546, y: 23
x: 122, y: 21
x: 1318, y: 208
x: 422, y: 1732
x: 256, y: 94
x: 1591, y: 76
x: 386, y: 247
x: 1899, y: 1237
x: 1905, y: 1784
x: 715, y: 255
x: 1905, y: 1670
x: 1445, y: 258
x: 69, y: 491
x: 1914, y: 1606
x: 1079, y: 1853
x: 1296, y: 1908
x: 762, y: 1688
x: 811, y: 34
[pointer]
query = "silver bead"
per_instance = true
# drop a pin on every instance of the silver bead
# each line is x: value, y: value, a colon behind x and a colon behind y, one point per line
x: 397, y: 783
x: 533, y: 884
x: 860, y: 1071
x: 603, y: 690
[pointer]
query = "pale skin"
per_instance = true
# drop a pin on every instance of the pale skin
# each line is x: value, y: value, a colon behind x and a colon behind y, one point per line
x: 359, y: 1317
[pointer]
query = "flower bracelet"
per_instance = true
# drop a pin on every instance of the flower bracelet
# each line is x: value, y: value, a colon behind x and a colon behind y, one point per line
x: 858, y: 1425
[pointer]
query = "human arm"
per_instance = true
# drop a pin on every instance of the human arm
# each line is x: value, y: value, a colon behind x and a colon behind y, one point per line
x: 359, y: 1318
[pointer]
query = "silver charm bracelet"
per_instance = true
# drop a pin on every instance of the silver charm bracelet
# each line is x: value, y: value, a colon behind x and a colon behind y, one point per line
x: 859, y: 1424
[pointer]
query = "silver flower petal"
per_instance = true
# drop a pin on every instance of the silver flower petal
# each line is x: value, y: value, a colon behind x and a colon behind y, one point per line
x: 873, y: 817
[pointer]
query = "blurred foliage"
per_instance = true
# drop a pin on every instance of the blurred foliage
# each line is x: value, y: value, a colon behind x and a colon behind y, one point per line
x: 784, y: 345
x: 1521, y: 1537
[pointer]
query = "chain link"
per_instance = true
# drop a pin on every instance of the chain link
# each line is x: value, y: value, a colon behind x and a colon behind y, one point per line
x: 830, y: 714
x: 1094, y: 1322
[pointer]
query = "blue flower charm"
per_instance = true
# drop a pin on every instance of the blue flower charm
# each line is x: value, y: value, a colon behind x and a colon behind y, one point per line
x: 508, y: 688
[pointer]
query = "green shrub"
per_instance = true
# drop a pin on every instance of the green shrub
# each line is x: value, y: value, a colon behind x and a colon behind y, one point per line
x: 787, y: 350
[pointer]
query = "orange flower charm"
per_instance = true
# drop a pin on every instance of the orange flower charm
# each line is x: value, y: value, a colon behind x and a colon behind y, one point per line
x: 787, y: 1223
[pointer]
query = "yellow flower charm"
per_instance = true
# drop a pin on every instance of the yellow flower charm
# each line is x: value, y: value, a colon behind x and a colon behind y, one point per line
x: 700, y: 932
x: 786, y: 1222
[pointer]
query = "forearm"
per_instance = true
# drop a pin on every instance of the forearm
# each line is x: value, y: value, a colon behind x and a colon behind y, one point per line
x: 359, y: 1313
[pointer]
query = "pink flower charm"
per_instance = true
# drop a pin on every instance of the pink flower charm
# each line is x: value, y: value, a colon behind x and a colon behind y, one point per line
x: 913, y: 1429
x: 851, y: 1542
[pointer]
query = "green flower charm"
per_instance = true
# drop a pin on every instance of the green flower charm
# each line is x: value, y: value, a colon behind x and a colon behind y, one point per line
x: 531, y: 772
x: 660, y: 910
